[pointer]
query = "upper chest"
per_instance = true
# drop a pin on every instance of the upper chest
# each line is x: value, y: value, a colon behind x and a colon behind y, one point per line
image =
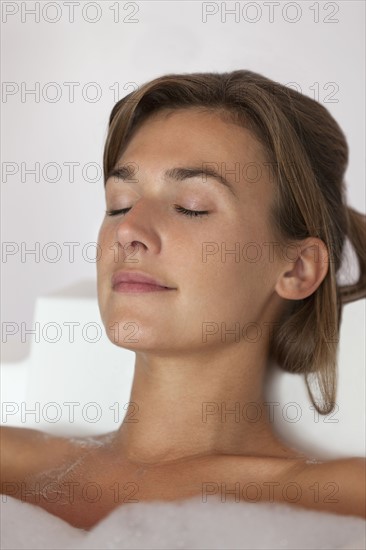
x: 85, y: 488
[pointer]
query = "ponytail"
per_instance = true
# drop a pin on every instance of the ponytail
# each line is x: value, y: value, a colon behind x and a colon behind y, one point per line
x: 356, y: 233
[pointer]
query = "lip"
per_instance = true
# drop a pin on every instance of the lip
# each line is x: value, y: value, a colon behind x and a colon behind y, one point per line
x: 137, y: 281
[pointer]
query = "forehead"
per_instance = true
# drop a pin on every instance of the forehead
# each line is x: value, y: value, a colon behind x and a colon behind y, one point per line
x: 193, y: 137
x: 203, y: 134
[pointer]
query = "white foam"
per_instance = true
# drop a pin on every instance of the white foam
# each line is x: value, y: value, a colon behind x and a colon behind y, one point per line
x: 91, y: 441
x: 185, y: 524
x: 313, y: 460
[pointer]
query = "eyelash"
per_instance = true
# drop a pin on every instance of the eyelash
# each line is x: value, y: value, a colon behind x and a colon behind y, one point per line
x: 181, y: 209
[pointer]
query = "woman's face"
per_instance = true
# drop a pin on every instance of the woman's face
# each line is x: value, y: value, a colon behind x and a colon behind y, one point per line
x: 221, y: 272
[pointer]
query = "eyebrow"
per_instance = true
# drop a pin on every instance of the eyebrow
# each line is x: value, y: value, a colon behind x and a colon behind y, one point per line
x: 126, y: 172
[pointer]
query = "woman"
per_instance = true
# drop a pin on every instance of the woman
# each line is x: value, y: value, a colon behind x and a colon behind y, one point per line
x: 223, y: 235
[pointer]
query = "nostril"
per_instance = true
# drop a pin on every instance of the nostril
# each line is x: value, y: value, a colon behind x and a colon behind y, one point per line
x: 134, y: 245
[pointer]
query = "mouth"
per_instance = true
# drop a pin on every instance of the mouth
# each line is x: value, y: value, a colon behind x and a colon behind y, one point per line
x: 139, y: 287
x: 132, y: 282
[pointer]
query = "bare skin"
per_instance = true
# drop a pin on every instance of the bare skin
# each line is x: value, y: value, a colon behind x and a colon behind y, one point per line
x: 185, y: 372
x: 179, y: 367
x: 82, y: 481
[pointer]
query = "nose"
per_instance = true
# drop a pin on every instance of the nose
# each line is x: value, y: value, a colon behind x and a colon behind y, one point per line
x: 138, y: 228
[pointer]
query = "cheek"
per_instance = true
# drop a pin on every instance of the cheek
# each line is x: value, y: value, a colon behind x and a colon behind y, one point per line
x: 104, y: 264
x: 231, y: 282
x: 106, y: 249
x: 104, y: 235
x: 229, y: 278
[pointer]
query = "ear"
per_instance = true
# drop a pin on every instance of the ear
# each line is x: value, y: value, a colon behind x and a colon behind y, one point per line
x: 306, y: 265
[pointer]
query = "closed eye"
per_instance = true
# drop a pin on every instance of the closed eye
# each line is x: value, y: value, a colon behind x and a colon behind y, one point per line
x: 116, y: 212
x: 181, y: 209
x: 191, y: 213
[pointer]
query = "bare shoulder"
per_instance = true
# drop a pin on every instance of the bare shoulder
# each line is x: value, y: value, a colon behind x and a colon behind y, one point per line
x: 24, y: 440
x: 26, y: 451
x: 339, y: 483
x: 352, y: 469
x: 355, y: 465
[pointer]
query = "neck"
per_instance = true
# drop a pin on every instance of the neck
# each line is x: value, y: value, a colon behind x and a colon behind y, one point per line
x: 190, y: 406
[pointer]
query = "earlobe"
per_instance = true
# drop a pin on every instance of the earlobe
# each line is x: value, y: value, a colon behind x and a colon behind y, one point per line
x: 303, y: 273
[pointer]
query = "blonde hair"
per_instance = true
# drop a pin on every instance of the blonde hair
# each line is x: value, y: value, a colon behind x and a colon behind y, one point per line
x: 309, y: 154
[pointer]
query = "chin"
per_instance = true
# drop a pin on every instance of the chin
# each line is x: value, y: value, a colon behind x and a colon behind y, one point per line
x: 131, y: 333
x: 122, y: 330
